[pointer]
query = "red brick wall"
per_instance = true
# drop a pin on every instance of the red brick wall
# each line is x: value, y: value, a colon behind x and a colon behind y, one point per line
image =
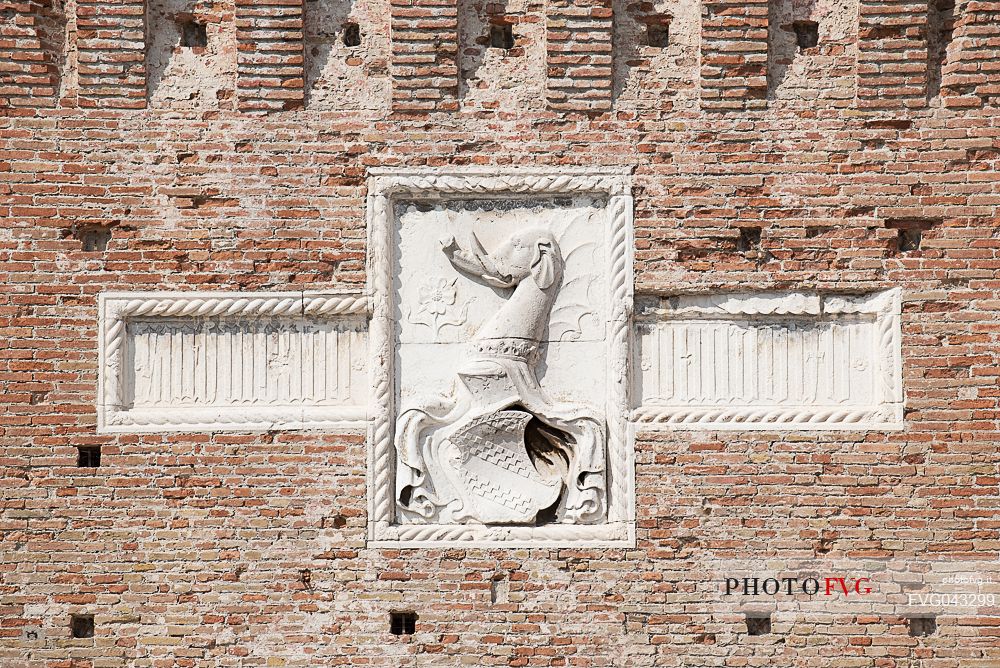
x: 578, y: 45
x: 111, y: 51
x: 892, y: 59
x: 269, y: 55
x: 733, y: 54
x: 970, y: 75
x: 29, y: 68
x: 424, y: 38
x: 249, y: 549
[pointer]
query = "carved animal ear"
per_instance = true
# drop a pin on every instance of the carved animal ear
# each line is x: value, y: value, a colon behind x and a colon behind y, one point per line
x: 542, y: 266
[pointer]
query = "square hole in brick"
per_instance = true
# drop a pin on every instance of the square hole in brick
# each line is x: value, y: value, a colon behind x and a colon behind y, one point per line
x: 352, y: 34
x: 193, y: 33
x: 93, y: 239
x: 501, y: 36
x: 749, y: 239
x: 909, y: 231
x: 658, y: 35
x: 88, y: 456
x: 806, y: 33
x: 758, y: 625
x: 402, y: 623
x: 909, y: 240
x: 82, y: 626
x: 922, y: 626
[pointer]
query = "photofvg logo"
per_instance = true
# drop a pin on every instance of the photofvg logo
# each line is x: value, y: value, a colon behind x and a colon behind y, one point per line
x: 810, y: 586
x: 908, y: 587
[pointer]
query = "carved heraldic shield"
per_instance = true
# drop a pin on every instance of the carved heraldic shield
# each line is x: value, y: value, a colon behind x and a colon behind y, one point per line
x: 497, y: 472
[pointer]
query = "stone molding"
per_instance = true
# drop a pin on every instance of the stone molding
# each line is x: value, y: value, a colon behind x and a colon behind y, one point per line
x: 858, y: 388
x: 121, y: 314
x: 387, y: 186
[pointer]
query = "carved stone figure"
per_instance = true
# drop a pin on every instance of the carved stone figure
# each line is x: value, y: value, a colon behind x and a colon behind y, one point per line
x: 500, y: 451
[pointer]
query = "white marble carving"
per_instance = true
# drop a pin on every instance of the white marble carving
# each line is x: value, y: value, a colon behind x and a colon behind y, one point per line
x: 223, y: 361
x: 501, y: 303
x: 769, y: 361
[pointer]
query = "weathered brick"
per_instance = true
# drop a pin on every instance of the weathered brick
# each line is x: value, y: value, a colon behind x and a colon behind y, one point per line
x: 192, y: 549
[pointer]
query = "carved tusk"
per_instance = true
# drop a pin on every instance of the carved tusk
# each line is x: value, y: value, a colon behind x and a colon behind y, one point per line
x: 477, y: 247
x: 490, y: 274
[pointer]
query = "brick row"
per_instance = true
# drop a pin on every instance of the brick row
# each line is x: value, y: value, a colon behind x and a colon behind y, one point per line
x: 424, y: 65
x: 270, y: 60
x: 578, y: 44
x: 734, y: 55
x: 31, y: 47
x: 893, y: 69
x: 111, y: 40
x: 971, y: 73
x: 892, y: 54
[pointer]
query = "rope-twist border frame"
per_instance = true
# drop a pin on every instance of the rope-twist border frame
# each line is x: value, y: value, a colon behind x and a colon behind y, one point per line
x: 117, y: 309
x: 384, y: 186
x: 885, y: 413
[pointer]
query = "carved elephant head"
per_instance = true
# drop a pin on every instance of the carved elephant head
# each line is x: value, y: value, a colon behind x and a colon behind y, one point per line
x: 527, y: 253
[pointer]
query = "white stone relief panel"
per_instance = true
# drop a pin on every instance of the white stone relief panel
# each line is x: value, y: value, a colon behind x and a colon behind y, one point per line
x: 224, y: 361
x: 500, y: 325
x: 769, y: 361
